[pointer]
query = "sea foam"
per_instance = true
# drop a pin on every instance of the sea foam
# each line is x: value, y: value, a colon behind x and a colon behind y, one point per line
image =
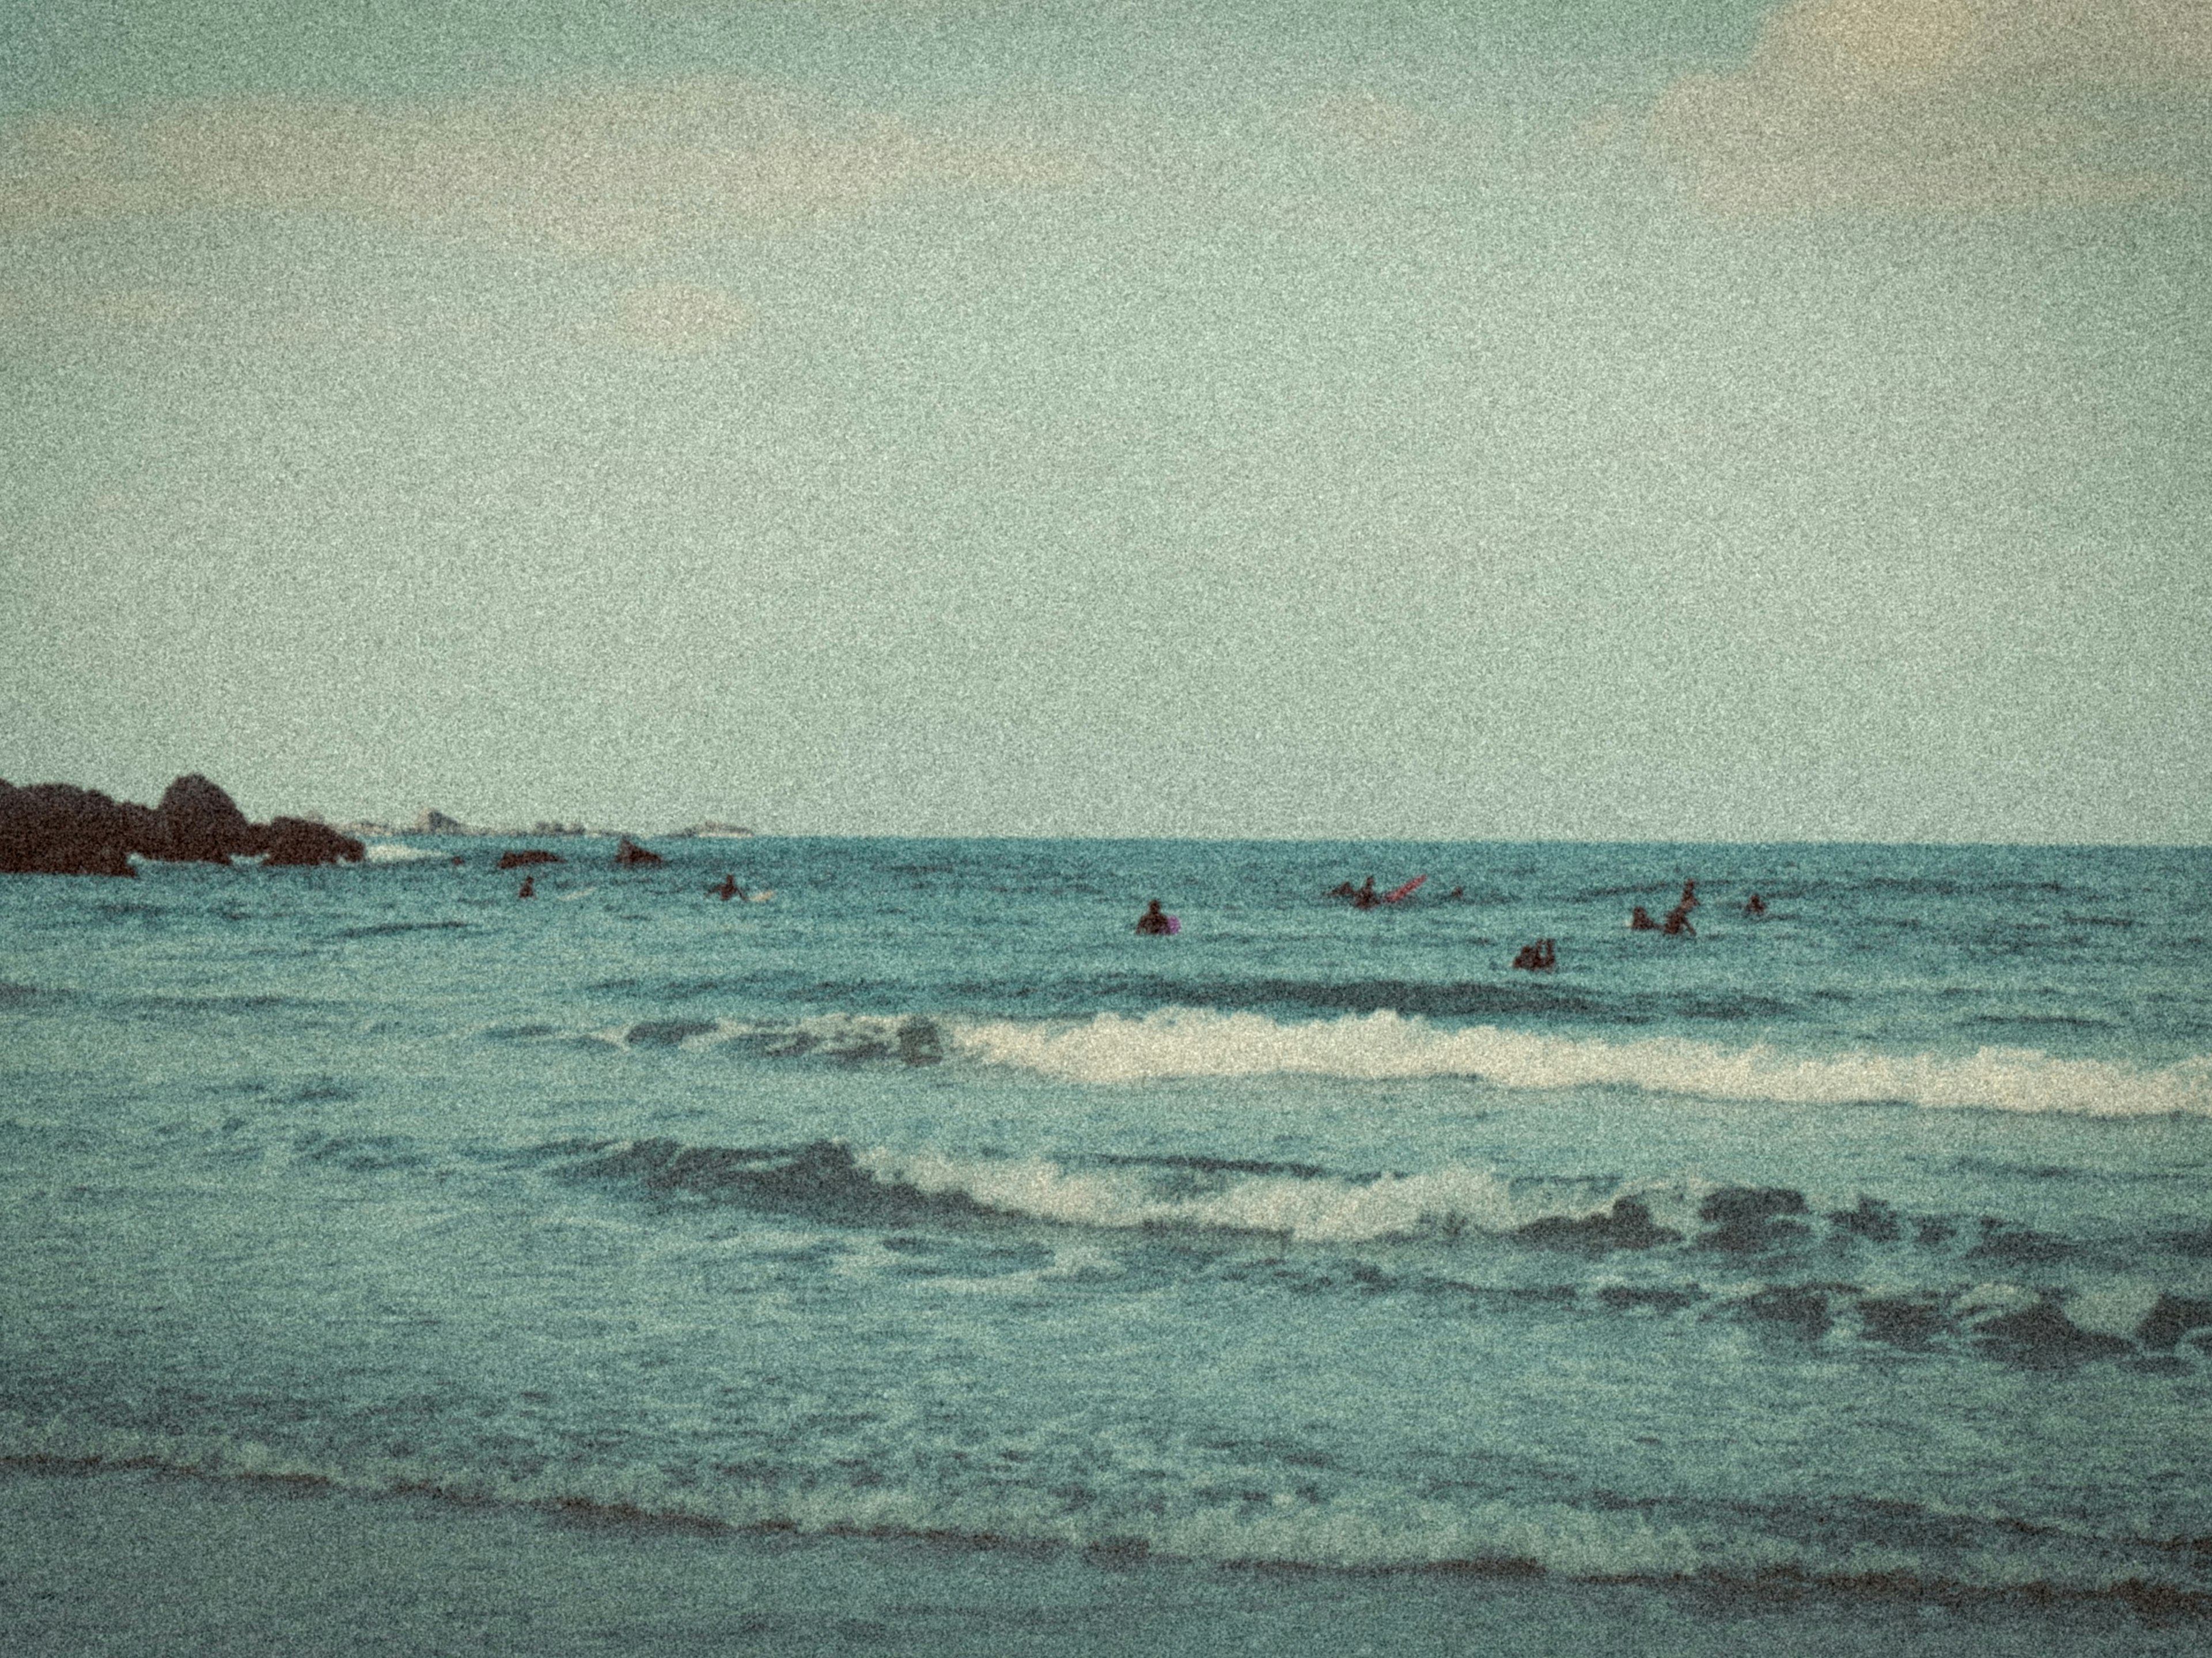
x: 1191, y: 1518
x: 1311, y: 1211
x: 1186, y: 1042
x: 397, y: 852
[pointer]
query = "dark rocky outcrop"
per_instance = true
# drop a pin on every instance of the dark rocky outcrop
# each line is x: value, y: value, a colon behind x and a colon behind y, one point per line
x: 1627, y: 1225
x: 202, y: 825
x: 2173, y: 1318
x: 1747, y: 1218
x: 52, y: 828
x: 630, y: 855
x: 299, y: 841
x: 55, y: 829
x: 1873, y: 1219
x: 526, y: 857
x: 2042, y: 1335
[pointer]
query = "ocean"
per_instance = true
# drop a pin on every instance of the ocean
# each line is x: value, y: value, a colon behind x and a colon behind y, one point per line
x: 1841, y: 1271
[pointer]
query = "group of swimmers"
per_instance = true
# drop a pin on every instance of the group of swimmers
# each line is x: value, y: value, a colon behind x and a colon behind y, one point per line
x: 1678, y: 919
x: 1540, y: 957
x: 1365, y: 897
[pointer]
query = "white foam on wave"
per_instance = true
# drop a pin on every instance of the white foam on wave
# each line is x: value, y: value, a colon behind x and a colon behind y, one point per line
x: 396, y: 852
x: 1309, y: 1210
x: 1358, y: 1532
x: 1181, y: 1043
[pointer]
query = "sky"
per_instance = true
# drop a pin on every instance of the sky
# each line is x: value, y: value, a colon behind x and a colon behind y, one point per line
x: 1696, y: 420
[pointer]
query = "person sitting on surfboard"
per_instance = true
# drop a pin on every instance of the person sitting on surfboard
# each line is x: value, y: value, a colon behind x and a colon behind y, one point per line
x: 1151, y: 922
x: 1678, y: 922
x: 1639, y: 920
x: 729, y: 889
x: 1539, y: 958
x: 1754, y: 905
x: 1365, y: 897
x: 528, y: 887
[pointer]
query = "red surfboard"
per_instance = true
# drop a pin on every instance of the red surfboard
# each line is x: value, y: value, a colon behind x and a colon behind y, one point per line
x: 1405, y: 891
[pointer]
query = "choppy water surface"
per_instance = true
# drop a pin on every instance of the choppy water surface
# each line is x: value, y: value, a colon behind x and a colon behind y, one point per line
x: 1869, y: 1242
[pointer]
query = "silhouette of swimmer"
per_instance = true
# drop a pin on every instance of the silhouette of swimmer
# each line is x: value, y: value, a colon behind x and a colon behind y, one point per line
x: 1639, y: 920
x: 1456, y: 892
x: 1689, y: 897
x: 1539, y: 958
x: 1341, y: 890
x: 1151, y: 922
x: 729, y: 889
x: 528, y: 887
x: 1678, y: 922
x: 1754, y: 905
x: 1365, y: 898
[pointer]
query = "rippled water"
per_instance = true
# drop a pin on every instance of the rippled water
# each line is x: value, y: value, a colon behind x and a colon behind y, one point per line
x: 1869, y: 1242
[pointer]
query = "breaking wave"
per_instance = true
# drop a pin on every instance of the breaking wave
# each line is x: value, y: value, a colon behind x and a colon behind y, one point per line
x: 1307, y: 1210
x: 397, y: 852
x: 1183, y: 1042
x: 1275, y: 1522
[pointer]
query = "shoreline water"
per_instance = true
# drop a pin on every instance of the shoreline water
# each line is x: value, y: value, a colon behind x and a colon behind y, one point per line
x: 137, y: 1561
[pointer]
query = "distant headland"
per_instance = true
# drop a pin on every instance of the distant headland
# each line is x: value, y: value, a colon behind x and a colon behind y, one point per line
x: 58, y: 828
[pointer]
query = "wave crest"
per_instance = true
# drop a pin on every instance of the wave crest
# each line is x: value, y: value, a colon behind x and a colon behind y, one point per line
x: 1189, y: 1043
x: 1307, y: 1210
x: 1269, y: 1525
x: 398, y: 852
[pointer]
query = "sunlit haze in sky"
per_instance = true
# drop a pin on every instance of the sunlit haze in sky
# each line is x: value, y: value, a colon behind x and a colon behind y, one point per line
x: 1599, y: 419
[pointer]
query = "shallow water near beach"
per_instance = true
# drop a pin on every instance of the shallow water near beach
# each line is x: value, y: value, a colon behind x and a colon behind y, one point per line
x: 1847, y: 1269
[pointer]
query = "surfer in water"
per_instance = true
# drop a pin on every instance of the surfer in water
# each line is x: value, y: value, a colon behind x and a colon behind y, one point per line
x: 1539, y: 958
x: 1677, y: 924
x: 1152, y: 922
x: 1365, y: 898
x: 528, y: 887
x: 1639, y: 920
x: 1754, y: 905
x: 729, y: 889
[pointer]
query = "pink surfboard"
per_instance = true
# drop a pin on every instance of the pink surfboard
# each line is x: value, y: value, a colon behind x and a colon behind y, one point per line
x: 1405, y: 891
x: 1174, y: 926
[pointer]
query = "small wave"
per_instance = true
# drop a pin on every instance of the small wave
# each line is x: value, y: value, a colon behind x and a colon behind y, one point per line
x: 1179, y: 1043
x: 1277, y: 1521
x: 828, y: 1178
x: 1297, y: 1206
x: 389, y: 928
x: 398, y: 852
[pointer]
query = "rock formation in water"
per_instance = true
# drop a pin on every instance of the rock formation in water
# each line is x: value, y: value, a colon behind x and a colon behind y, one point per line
x: 300, y: 840
x: 203, y: 824
x: 530, y: 855
x: 52, y: 829
x: 630, y: 854
x: 57, y: 829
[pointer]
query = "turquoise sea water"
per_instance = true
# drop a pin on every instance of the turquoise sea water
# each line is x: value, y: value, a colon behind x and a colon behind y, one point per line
x: 1866, y: 1245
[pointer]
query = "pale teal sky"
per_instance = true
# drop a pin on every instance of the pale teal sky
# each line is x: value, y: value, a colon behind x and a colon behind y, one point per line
x: 1630, y: 421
